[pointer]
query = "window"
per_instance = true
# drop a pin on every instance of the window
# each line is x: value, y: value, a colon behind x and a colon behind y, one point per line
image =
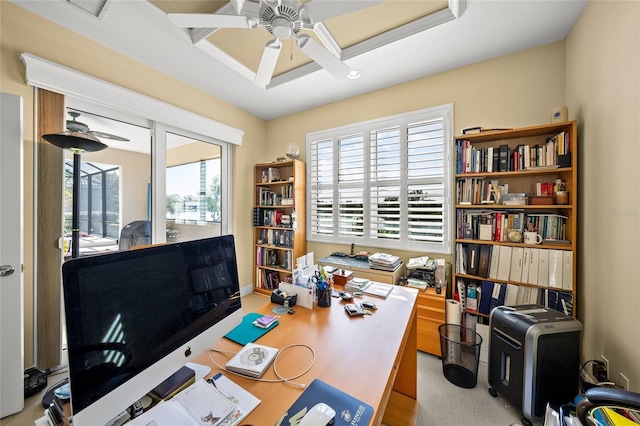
x: 99, y: 199
x: 383, y: 183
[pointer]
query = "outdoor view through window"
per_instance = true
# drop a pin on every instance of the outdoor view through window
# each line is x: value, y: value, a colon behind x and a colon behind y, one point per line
x: 193, y: 189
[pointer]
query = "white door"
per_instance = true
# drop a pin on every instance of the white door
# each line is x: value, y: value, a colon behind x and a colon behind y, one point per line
x: 11, y: 292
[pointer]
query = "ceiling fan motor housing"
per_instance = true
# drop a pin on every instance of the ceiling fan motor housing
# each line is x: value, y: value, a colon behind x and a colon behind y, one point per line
x: 282, y: 21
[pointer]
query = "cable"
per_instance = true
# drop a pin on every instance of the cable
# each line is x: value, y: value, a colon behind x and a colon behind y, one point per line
x: 275, y: 369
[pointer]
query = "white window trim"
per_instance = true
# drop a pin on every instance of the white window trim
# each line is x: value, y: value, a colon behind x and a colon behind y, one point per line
x: 66, y: 81
x: 446, y: 111
x: 160, y: 116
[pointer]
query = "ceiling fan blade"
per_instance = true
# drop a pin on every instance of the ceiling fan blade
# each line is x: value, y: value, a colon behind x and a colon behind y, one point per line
x: 103, y: 135
x: 268, y: 62
x: 323, y: 57
x: 204, y: 20
x: 318, y: 10
x: 237, y: 5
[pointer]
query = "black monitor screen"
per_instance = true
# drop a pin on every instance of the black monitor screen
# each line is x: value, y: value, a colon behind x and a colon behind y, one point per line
x: 127, y: 310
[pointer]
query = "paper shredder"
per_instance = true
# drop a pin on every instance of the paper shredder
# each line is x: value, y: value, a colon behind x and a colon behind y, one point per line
x: 534, y: 357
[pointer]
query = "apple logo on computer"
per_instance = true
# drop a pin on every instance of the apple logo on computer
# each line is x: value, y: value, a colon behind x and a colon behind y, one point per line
x: 187, y: 353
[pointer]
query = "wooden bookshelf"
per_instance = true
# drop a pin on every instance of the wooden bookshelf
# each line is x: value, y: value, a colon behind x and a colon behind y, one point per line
x: 279, y: 222
x: 556, y: 222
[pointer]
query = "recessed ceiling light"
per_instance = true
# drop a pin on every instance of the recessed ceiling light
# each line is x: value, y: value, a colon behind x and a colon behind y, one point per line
x: 353, y: 74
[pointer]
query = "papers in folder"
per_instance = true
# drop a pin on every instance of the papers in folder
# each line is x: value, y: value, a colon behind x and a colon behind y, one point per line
x: 368, y: 287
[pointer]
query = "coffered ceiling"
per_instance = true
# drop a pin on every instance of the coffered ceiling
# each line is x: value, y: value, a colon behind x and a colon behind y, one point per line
x: 390, y: 43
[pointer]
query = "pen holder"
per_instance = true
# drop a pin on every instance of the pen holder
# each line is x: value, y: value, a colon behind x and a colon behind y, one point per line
x: 324, y: 297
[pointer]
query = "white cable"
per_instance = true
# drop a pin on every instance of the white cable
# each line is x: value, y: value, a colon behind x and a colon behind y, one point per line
x: 275, y: 370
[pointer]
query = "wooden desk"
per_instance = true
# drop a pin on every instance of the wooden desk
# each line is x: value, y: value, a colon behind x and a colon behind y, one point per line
x: 373, y: 358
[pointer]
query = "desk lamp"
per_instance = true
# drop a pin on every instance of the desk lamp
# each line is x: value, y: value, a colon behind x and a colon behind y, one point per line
x: 77, y: 143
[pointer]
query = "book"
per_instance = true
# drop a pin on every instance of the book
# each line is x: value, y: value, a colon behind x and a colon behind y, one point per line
x: 245, y: 401
x: 543, y: 268
x: 498, y: 295
x: 350, y: 411
x: 511, y: 295
x: 484, y: 307
x: 473, y: 257
x: 178, y: 381
x: 252, y: 360
x: 483, y: 261
x: 504, y: 154
x: 555, y: 268
x: 515, y: 273
x: 567, y: 270
x: 534, y: 265
x: 493, y: 264
x: 504, y: 263
x: 199, y: 404
x: 526, y: 263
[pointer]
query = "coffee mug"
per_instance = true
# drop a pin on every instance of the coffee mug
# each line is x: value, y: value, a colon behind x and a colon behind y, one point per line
x: 532, y: 238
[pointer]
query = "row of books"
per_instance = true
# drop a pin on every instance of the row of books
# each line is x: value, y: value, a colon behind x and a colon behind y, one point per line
x: 479, y: 190
x: 553, y: 152
x: 267, y: 279
x: 272, y: 257
x: 493, y: 225
x: 476, y: 191
x: 268, y: 197
x: 277, y: 237
x: 543, y: 267
x: 483, y: 296
x: 271, y: 217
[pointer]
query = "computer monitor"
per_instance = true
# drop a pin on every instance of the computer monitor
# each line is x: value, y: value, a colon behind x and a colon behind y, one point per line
x: 133, y: 318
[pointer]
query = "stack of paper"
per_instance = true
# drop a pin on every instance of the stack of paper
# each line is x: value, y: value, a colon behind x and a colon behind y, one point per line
x: 356, y: 285
x: 384, y: 262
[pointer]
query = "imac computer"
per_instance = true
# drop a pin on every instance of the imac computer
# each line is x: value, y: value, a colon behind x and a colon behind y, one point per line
x: 133, y: 318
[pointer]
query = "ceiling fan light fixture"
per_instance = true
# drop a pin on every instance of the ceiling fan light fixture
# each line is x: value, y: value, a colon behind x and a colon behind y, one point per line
x: 75, y: 141
x: 281, y: 28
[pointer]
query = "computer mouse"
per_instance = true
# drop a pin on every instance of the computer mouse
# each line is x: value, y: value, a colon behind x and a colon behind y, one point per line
x: 319, y: 415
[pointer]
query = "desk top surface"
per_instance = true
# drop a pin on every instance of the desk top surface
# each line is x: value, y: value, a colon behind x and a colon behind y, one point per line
x: 354, y: 354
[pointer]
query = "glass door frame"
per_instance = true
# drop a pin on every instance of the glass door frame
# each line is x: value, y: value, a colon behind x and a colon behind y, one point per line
x: 159, y: 183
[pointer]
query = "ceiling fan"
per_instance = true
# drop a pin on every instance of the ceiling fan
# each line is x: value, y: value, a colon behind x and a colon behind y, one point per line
x: 284, y: 19
x: 74, y: 125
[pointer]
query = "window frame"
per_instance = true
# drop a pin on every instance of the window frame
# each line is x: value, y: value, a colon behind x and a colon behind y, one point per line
x: 366, y: 129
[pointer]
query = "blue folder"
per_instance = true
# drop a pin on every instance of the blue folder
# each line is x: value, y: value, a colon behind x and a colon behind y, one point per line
x: 246, y: 332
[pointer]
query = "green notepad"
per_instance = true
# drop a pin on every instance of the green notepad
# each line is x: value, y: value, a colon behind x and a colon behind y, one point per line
x: 246, y: 332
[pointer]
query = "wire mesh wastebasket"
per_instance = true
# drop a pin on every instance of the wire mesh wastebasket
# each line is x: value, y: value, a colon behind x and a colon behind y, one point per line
x: 460, y: 348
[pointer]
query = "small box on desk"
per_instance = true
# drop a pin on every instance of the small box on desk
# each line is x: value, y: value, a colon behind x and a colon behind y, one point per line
x: 341, y: 276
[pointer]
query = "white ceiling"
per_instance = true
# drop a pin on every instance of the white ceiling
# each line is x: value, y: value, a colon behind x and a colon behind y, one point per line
x: 486, y: 29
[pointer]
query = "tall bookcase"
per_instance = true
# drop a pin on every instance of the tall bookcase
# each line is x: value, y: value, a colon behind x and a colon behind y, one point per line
x: 279, y: 227
x: 538, y: 167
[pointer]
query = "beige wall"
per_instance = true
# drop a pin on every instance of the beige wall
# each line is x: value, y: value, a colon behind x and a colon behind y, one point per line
x: 22, y: 31
x: 510, y: 91
x: 603, y: 94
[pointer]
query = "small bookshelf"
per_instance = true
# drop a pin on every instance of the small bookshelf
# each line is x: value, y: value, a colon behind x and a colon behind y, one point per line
x: 279, y: 228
